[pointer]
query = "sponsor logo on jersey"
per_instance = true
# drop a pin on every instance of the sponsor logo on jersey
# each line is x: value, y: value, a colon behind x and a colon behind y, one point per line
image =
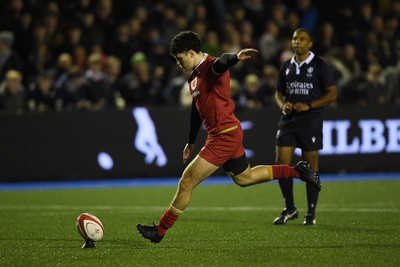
x: 299, y: 88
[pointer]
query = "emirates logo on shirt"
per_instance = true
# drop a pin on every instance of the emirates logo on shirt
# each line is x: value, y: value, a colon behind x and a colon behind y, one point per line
x: 193, y: 84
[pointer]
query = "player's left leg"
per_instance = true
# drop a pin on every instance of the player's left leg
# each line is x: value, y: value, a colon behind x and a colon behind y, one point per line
x: 244, y: 175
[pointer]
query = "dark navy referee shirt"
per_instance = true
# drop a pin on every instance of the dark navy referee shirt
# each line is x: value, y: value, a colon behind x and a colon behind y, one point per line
x: 306, y: 81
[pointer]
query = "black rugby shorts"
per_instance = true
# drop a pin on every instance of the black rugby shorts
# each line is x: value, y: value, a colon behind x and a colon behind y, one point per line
x: 303, y: 131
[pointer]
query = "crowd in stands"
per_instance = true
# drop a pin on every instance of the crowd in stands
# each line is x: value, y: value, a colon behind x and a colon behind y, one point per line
x: 94, y: 54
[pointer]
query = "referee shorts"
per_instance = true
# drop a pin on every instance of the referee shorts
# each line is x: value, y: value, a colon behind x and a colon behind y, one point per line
x: 303, y: 131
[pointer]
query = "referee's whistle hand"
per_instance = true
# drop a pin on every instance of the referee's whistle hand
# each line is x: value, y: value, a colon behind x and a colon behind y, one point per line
x: 300, y: 107
x: 287, y: 108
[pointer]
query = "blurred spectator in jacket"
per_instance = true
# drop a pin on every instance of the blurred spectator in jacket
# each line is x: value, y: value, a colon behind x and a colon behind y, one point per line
x: 70, y: 95
x: 61, y: 70
x: 141, y: 86
x: 368, y: 89
x: 347, y: 68
x: 121, y: 45
x: 268, y: 84
x: 374, y: 89
x: 12, y: 93
x: 9, y: 59
x: 251, y: 95
x: 97, y: 87
x: 41, y: 95
x: 113, y: 71
x: 269, y: 43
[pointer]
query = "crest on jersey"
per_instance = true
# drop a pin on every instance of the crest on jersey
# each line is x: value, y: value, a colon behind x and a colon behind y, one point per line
x: 287, y: 71
x: 310, y: 71
x: 193, y: 84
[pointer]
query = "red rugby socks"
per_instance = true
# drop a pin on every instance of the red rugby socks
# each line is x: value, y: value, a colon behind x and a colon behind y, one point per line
x: 168, y: 219
x: 284, y: 171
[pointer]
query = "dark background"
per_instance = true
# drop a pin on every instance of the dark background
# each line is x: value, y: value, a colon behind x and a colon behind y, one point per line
x: 64, y: 146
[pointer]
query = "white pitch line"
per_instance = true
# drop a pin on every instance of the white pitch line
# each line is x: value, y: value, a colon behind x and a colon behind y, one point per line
x: 210, y: 209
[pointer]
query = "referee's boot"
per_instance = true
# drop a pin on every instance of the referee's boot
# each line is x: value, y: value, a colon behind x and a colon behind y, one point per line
x: 286, y: 215
x: 306, y: 175
x: 309, y: 219
x: 150, y: 232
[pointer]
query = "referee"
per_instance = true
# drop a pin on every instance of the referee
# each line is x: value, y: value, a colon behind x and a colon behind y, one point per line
x: 305, y: 86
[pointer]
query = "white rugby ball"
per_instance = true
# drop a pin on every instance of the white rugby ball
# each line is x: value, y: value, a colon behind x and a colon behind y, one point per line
x: 89, y: 227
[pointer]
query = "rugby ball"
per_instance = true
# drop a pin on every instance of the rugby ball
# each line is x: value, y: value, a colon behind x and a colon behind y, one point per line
x: 89, y: 227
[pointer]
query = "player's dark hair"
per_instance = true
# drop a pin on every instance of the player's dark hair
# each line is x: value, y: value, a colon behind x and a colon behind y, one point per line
x: 306, y: 31
x: 185, y: 41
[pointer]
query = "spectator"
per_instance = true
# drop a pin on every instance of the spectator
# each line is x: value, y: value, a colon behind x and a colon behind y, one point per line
x: 79, y: 57
x: 70, y: 95
x: 308, y: 15
x: 373, y: 88
x: 121, y: 46
x: 54, y: 32
x: 80, y: 28
x: 268, y: 84
x: 61, y: 71
x: 12, y: 93
x: 97, y: 87
x: 347, y: 69
x: 113, y: 71
x: 326, y: 40
x: 211, y: 43
x: 105, y: 18
x: 391, y: 75
x: 138, y: 87
x: 91, y: 32
x: 39, y: 61
x: 74, y: 39
x: 269, y: 43
x: 292, y: 23
x: 42, y: 96
x: 251, y: 96
x: 174, y: 90
x: 9, y: 59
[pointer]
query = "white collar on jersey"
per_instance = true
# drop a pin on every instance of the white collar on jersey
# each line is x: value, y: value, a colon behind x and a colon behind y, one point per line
x: 201, y: 61
x: 308, y: 60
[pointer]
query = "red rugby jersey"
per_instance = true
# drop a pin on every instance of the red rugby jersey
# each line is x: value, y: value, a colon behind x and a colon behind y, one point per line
x: 210, y: 92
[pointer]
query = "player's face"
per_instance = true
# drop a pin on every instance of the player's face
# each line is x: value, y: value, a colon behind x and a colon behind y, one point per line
x: 301, y: 42
x: 185, y: 60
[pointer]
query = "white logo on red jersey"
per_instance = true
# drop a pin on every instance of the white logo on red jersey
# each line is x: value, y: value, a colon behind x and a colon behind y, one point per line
x: 193, y: 84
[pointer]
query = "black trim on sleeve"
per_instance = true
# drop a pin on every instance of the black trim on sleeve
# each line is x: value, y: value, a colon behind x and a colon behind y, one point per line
x: 195, y: 123
x: 224, y: 62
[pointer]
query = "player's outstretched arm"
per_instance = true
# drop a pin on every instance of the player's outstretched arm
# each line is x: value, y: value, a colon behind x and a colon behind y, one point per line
x: 227, y: 60
x: 245, y: 53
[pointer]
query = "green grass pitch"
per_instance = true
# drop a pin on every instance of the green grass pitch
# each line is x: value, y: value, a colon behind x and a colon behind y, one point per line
x: 225, y: 225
